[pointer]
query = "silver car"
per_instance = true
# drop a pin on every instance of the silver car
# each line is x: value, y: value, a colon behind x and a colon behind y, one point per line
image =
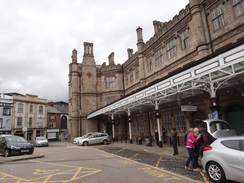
x: 75, y: 141
x: 95, y: 138
x: 224, y: 159
x: 41, y: 141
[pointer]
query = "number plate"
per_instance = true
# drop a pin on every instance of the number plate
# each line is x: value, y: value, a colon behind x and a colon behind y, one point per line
x: 27, y: 150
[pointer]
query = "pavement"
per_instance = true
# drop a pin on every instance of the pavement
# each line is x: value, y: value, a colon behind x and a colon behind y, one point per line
x: 166, y: 150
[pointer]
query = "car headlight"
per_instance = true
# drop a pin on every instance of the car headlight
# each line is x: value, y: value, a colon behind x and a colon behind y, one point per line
x: 14, y: 147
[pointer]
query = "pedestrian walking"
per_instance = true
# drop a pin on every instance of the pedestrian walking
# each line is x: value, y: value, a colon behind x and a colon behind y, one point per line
x: 174, y: 141
x: 190, y: 146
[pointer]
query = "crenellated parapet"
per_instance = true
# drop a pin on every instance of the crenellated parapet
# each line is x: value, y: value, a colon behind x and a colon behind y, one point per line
x: 161, y: 28
x: 110, y: 67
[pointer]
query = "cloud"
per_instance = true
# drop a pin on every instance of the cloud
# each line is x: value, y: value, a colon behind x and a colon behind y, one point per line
x: 37, y: 38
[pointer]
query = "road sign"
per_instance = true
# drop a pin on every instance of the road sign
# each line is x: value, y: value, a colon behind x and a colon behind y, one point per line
x: 24, y: 129
x: 188, y: 108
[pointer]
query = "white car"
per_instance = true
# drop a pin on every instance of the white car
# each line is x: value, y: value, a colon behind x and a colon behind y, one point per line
x: 41, y: 141
x: 75, y: 141
x: 224, y: 159
x: 95, y: 138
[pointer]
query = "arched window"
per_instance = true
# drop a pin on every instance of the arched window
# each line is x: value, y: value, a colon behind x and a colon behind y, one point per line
x: 63, y: 122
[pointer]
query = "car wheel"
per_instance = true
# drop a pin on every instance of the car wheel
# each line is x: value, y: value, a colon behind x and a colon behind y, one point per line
x: 6, y: 152
x: 215, y: 172
x: 85, y: 143
x: 105, y: 142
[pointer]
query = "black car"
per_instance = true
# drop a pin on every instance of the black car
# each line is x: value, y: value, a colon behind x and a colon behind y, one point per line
x: 11, y: 145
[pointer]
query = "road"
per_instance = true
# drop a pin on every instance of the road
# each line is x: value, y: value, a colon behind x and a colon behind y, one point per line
x: 68, y: 163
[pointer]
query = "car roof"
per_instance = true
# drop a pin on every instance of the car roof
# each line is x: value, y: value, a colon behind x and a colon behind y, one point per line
x: 211, y: 120
x: 231, y: 138
x: 5, y: 135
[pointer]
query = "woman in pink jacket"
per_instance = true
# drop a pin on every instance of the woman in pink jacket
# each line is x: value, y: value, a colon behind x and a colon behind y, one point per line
x: 191, y: 149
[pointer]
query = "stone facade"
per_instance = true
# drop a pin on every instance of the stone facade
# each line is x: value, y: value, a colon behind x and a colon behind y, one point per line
x: 201, y: 29
x: 29, y: 118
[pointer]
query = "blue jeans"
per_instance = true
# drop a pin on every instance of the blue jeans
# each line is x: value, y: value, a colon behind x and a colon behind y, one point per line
x: 192, y: 158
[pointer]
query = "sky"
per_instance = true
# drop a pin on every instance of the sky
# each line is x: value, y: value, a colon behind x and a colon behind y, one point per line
x: 37, y: 38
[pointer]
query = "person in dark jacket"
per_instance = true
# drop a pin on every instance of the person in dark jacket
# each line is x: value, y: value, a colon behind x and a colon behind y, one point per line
x: 174, y: 141
x: 156, y: 137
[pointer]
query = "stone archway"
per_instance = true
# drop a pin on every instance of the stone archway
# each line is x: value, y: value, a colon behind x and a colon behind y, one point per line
x: 235, y: 116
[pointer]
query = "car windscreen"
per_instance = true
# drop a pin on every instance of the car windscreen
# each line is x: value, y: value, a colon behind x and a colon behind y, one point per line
x: 40, y: 138
x: 218, y: 125
x: 13, y: 139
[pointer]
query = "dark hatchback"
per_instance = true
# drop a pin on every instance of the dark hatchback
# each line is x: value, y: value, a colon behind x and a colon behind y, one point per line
x: 12, y: 145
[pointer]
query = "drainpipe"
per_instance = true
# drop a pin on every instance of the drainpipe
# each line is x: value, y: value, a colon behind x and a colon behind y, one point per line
x: 209, y: 32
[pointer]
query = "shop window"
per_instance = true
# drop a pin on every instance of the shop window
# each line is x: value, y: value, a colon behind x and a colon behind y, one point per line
x: 39, y: 133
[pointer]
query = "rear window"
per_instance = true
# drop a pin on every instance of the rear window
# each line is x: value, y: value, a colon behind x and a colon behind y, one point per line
x: 219, y: 125
x: 232, y: 144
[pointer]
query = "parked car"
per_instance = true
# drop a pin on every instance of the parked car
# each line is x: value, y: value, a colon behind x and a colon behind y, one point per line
x: 41, y: 141
x: 75, y: 141
x: 95, y: 138
x: 11, y: 145
x: 224, y: 159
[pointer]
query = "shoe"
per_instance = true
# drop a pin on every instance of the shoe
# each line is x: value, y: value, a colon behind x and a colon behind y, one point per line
x: 187, y: 168
x: 196, y: 170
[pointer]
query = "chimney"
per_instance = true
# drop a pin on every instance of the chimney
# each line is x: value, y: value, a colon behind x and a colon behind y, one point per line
x: 88, y: 49
x: 140, y: 42
x: 74, y: 55
x: 130, y: 52
x: 111, y: 59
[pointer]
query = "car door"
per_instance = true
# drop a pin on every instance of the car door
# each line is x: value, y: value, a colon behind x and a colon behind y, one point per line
x: 1, y: 145
x: 93, y: 139
x: 97, y: 138
x: 231, y: 157
x: 240, y: 160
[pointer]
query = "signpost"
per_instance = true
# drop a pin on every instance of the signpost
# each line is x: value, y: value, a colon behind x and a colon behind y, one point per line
x: 188, y: 108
